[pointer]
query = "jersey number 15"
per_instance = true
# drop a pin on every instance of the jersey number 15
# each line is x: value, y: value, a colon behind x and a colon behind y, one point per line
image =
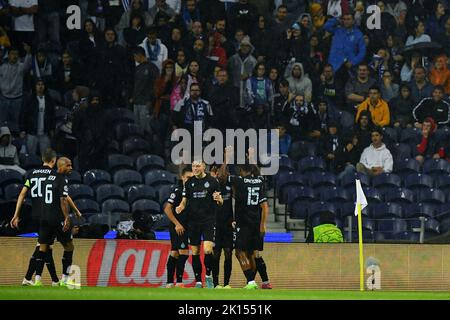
x: 253, y: 196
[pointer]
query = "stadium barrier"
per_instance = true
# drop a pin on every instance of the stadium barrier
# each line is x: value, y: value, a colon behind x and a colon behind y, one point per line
x: 290, y: 266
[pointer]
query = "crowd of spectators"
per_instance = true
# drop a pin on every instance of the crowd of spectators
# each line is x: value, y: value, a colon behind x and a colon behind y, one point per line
x: 301, y: 66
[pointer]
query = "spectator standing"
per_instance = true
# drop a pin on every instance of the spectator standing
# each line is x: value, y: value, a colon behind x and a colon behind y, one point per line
x: 155, y: 51
x: 330, y: 89
x: 38, y: 119
x: 11, y: 86
x: 299, y: 82
x: 243, y: 15
x: 136, y: 9
x: 357, y: 89
x: 48, y: 21
x: 23, y: 13
x: 135, y: 33
x: 259, y: 88
x: 376, y: 159
x: 164, y: 86
x: 281, y: 104
x: 435, y: 25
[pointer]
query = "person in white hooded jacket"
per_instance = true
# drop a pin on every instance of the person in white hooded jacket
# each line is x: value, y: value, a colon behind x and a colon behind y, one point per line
x: 376, y: 158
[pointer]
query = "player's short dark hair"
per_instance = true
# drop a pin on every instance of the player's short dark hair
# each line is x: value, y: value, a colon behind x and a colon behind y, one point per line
x: 186, y: 170
x: 48, y: 155
x: 246, y: 168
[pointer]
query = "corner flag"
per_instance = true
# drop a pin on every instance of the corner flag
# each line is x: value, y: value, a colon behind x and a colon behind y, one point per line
x: 361, y: 203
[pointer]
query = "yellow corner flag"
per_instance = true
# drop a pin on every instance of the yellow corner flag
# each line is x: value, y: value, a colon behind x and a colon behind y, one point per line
x: 361, y: 203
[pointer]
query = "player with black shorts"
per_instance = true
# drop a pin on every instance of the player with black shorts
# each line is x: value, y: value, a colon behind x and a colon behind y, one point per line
x: 178, y: 232
x: 225, y: 234
x: 201, y: 196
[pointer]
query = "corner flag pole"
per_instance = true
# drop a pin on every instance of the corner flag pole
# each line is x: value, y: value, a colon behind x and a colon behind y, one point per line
x: 361, y: 255
x: 361, y: 203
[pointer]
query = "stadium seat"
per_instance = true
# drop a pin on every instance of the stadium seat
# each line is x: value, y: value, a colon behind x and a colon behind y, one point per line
x: 8, y: 176
x: 109, y: 191
x: 387, y: 180
x: 115, y: 205
x: 419, y: 181
x: 315, y: 221
x: 442, y: 211
x: 96, y: 177
x: 114, y: 147
x: 1, y: 194
x: 409, y: 135
x: 346, y: 120
x: 77, y: 221
x: 348, y: 181
x: 87, y: 206
x: 386, y: 210
x: 415, y: 210
x: 443, y: 183
x: 155, y: 178
x: 321, y: 179
x: 318, y: 207
x: 299, y: 209
x: 430, y: 196
x: 348, y: 209
x: 432, y: 226
x: 332, y: 194
x: 127, y: 130
x: 164, y: 192
x: 12, y: 191
x: 300, y: 193
x: 368, y: 236
x: 121, y: 115
x: 302, y: 149
x: 80, y: 191
x: 445, y: 226
x: 392, y: 225
x: 30, y: 161
x: 140, y: 191
x: 399, y: 195
x: 400, y: 151
x: 311, y: 164
x: 74, y: 177
x: 436, y: 166
x: 442, y: 134
x: 146, y: 206
x: 126, y: 177
x: 288, y: 180
x: 286, y: 164
x: 407, y: 166
x: 407, y: 236
x: 367, y: 224
x: 372, y: 195
x: 148, y: 162
x: 119, y: 161
x: 134, y: 147
x: 111, y: 219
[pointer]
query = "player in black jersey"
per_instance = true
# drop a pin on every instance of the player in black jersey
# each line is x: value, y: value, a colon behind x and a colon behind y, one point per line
x: 64, y: 166
x: 250, y: 198
x: 225, y: 234
x: 201, y: 195
x: 178, y: 232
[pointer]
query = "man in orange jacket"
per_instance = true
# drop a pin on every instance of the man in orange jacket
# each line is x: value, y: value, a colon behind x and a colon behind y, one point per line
x: 378, y: 108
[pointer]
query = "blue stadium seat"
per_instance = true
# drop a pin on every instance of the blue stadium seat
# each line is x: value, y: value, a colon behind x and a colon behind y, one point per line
x: 368, y: 236
x: 372, y: 195
x: 96, y: 177
x: 300, y: 193
x: 164, y: 192
x: 409, y: 135
x: 135, y: 147
x: 331, y: 194
x: 348, y: 181
x: 74, y: 177
x: 443, y: 183
x: 392, y: 225
x: 302, y: 149
x: 442, y: 211
x: 419, y: 181
x: 80, y: 191
x: 399, y: 195
x: 12, y: 191
x: 386, y: 210
x: 387, y: 180
x: 348, y: 209
x: 115, y: 205
x: 30, y: 161
x: 436, y: 166
x: 125, y: 178
x: 445, y: 226
x: 407, y: 236
x: 311, y: 164
x: 442, y: 134
x: 318, y: 207
x: 114, y: 147
x: 119, y: 161
x: 430, y: 196
x: 288, y: 180
x: 155, y: 178
x: 105, y: 219
x: 148, y: 162
x: 8, y: 176
x: 415, y: 210
x: 121, y: 115
x: 321, y: 179
x: 407, y: 166
x: 315, y: 221
x: 127, y: 130
x: 140, y: 191
x: 286, y: 164
x: 109, y: 191
x: 299, y: 209
x: 432, y: 226
x: 87, y: 206
x: 400, y: 151
x: 145, y: 206
x: 367, y: 224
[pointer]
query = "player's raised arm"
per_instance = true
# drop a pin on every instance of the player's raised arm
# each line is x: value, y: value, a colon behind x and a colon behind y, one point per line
x: 20, y: 200
x: 223, y: 173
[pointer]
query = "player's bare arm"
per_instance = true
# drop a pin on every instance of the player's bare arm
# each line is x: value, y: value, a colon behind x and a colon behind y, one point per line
x: 65, y: 211
x: 218, y: 198
x: 181, y: 206
x: 20, y: 200
x: 73, y: 206
x: 264, y: 214
x: 178, y: 226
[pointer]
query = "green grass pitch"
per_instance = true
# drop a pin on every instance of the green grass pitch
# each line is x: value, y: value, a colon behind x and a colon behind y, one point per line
x: 115, y: 293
